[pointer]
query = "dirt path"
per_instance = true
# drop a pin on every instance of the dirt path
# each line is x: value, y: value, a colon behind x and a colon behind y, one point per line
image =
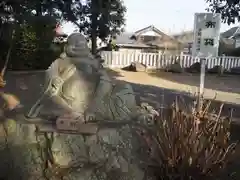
x: 146, y: 79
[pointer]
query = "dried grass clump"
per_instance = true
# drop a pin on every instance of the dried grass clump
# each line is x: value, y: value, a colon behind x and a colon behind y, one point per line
x: 191, y: 146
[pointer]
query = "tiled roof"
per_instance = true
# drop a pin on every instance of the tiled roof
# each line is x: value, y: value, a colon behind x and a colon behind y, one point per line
x: 124, y: 38
x: 231, y: 32
x: 127, y: 38
x: 237, y: 32
x: 185, y: 37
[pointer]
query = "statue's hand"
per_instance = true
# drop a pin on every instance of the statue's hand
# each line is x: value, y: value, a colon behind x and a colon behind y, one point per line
x: 10, y: 101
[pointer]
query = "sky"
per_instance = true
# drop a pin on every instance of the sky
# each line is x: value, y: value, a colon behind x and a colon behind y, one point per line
x: 168, y: 16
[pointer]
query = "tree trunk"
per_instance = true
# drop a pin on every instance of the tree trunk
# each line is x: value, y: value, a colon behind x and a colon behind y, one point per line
x: 39, y: 9
x: 94, y: 26
x: 94, y: 42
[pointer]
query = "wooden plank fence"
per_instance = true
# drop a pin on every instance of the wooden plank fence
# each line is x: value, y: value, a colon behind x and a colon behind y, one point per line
x: 116, y: 59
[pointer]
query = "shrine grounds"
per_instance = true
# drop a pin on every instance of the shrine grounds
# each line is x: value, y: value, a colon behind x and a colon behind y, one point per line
x: 158, y: 89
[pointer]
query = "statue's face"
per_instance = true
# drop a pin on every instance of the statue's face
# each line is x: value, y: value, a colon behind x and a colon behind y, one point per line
x: 76, y: 46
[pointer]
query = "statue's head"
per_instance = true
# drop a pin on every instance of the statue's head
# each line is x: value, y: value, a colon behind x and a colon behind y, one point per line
x: 77, y: 46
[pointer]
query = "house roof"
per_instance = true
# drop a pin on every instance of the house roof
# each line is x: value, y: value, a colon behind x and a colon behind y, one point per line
x: 185, y: 37
x: 184, y: 33
x: 151, y: 28
x: 148, y: 28
x: 231, y: 32
x: 124, y: 38
x: 127, y: 39
x: 237, y: 32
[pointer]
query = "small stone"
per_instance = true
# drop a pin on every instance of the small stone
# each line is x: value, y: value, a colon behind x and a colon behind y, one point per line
x: 139, y: 66
x: 175, y: 68
x: 196, y: 68
x: 217, y: 69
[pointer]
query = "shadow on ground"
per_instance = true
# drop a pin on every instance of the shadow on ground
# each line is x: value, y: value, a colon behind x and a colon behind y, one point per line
x: 113, y: 74
x: 225, y: 83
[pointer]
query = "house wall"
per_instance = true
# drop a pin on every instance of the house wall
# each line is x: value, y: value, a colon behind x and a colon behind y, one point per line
x: 150, y: 33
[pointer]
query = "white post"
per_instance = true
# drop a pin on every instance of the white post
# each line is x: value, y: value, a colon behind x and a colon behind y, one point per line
x: 202, y: 81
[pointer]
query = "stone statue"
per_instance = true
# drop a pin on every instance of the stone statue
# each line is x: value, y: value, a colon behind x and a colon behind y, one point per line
x: 77, y: 83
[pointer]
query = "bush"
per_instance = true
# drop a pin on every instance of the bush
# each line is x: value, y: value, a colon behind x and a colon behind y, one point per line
x: 190, y: 146
x: 32, y: 44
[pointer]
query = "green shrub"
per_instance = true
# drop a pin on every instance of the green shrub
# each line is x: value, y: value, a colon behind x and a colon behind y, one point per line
x: 32, y: 44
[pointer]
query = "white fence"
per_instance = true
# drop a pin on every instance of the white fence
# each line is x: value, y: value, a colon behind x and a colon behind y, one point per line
x: 115, y: 59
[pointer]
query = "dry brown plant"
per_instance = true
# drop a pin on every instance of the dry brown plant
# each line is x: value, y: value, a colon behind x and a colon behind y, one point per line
x: 191, y: 146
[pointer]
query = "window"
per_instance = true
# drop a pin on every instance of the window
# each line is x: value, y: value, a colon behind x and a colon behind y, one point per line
x: 148, y: 38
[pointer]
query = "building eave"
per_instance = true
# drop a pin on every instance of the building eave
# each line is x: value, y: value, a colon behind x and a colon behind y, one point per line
x: 133, y: 45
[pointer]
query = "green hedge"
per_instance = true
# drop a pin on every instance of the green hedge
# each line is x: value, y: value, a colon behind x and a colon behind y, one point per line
x: 33, y: 47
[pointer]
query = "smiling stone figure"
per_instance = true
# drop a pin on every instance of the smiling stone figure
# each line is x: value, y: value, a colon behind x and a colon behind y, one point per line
x: 76, y: 83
